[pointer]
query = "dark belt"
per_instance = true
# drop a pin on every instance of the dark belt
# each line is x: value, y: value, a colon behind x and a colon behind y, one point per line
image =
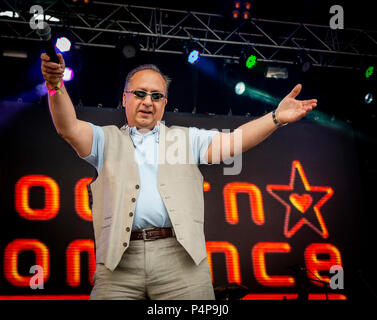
x: 152, y: 234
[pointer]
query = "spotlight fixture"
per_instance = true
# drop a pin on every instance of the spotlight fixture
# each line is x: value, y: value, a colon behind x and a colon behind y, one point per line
x: 68, y: 74
x: 236, y: 14
x: 303, y: 62
x: 10, y: 14
x: 63, y: 44
x: 276, y: 72
x: 129, y: 51
x: 15, y: 54
x: 368, y: 99
x: 191, y: 51
x: 241, y: 6
x: 240, y: 88
x: 246, y: 15
x: 193, y: 56
x: 128, y: 46
x: 251, y: 61
x: 83, y: 1
x: 369, y: 72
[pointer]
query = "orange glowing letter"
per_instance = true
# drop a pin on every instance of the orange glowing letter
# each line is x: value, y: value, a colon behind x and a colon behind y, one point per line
x: 231, y: 258
x: 82, y: 199
x: 230, y: 201
x: 206, y: 186
x: 73, y: 254
x: 314, y: 265
x: 11, y: 253
x: 259, y: 264
x: 51, y: 189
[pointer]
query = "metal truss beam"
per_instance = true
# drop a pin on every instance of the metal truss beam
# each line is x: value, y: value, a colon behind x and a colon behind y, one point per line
x: 167, y: 30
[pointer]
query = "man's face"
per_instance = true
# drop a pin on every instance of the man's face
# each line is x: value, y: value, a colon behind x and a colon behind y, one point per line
x: 144, y: 113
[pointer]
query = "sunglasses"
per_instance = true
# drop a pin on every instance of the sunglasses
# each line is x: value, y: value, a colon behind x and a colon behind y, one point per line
x: 141, y: 94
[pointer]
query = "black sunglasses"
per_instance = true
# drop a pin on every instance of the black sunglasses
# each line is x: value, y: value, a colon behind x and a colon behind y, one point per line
x: 141, y: 94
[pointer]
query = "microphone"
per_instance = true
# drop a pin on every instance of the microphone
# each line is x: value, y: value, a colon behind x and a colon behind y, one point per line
x: 45, y: 35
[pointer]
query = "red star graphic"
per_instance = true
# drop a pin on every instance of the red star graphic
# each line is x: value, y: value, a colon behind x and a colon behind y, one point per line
x: 301, y: 202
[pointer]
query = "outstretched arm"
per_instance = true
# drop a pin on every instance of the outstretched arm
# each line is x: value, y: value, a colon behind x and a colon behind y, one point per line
x: 76, y: 132
x: 254, y: 132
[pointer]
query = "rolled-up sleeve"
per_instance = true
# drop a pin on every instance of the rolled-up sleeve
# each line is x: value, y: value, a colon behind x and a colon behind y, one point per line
x: 95, y: 158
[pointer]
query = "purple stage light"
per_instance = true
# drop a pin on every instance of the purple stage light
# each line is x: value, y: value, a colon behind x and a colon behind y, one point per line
x: 68, y: 74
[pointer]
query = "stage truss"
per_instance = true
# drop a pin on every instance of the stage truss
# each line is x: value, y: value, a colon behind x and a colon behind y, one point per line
x: 102, y: 24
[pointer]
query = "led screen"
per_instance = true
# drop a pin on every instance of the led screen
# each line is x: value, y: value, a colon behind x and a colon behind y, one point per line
x: 288, y: 214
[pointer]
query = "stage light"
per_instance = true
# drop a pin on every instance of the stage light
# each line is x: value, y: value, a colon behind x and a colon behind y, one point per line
x: 193, y: 56
x: 251, y: 61
x: 303, y: 62
x: 10, y: 14
x: 255, y: 94
x: 368, y: 99
x: 245, y: 6
x: 46, y: 18
x: 63, y: 44
x: 306, y: 66
x: 369, y: 72
x: 236, y: 14
x: 41, y: 89
x: 84, y: 1
x: 68, y: 74
x: 240, y: 88
x: 128, y: 46
x: 15, y: 54
x: 129, y: 51
x: 51, y: 18
x: 276, y: 73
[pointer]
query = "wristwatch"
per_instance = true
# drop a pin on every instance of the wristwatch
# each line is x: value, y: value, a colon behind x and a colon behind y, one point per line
x: 276, y: 121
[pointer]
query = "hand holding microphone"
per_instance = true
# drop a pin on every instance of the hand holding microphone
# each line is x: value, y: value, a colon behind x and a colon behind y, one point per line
x: 53, y: 64
x: 52, y: 72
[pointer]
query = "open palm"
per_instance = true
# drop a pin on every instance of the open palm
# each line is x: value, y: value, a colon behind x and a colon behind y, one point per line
x: 290, y: 109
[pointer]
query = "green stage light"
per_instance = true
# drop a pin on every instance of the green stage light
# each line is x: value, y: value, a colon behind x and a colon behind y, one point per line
x: 369, y: 71
x: 251, y: 61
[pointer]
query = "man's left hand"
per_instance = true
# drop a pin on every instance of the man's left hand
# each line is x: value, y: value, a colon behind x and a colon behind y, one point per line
x: 290, y: 109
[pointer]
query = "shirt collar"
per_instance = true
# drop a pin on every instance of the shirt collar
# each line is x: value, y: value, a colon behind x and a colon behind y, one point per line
x: 133, y: 132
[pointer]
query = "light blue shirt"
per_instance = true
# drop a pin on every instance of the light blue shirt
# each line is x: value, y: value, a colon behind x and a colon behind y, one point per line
x: 150, y: 209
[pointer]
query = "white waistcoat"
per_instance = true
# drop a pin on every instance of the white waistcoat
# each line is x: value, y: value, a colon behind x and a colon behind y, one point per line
x: 114, y: 194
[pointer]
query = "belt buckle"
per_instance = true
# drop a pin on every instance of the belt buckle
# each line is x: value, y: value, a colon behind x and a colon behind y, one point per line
x: 144, y: 232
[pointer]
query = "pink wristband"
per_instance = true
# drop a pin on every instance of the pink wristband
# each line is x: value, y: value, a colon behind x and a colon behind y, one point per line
x: 53, y: 90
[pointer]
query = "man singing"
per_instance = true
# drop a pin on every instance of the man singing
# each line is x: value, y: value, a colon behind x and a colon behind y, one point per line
x: 148, y: 211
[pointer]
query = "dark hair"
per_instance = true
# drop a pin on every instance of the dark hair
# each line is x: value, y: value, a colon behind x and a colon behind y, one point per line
x: 147, y: 67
